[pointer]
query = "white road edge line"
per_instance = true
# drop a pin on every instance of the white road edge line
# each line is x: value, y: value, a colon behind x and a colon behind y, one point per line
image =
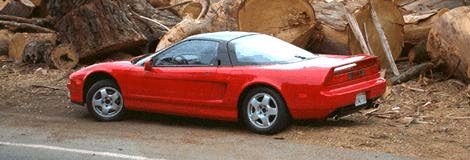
x: 81, y: 151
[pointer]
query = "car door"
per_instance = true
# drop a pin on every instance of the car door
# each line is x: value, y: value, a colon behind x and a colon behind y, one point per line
x: 182, y: 76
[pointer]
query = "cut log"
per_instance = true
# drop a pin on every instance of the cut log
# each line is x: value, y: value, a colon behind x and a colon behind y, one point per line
x: 20, y: 40
x: 354, y: 26
x: 112, y: 25
x: 292, y: 21
x: 419, y: 15
x: 448, y: 42
x: 333, y: 37
x: 20, y: 8
x: 34, y: 51
x: 383, y: 38
x: 392, y: 23
x: 63, y: 57
x: 330, y: 41
x: 337, y: 37
x: 416, y: 6
x: 419, y: 30
x: 5, y: 39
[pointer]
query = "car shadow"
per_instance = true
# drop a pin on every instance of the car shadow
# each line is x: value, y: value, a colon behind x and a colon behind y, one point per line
x: 182, y: 121
x: 200, y: 123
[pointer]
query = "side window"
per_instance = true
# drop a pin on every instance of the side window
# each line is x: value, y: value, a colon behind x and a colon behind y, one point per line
x: 189, y: 53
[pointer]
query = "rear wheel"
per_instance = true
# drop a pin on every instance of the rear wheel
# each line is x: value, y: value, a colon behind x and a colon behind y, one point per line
x: 264, y: 111
x: 104, y: 101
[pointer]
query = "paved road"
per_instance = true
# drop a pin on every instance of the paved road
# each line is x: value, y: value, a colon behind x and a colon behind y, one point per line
x: 75, y: 135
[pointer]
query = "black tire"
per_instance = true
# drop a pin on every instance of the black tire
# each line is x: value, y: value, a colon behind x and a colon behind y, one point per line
x: 280, y: 123
x: 96, y: 87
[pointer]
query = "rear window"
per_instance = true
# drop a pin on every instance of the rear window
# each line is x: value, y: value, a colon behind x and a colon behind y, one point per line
x: 263, y: 49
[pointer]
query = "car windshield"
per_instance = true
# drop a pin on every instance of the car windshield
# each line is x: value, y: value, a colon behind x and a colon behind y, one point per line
x: 263, y: 49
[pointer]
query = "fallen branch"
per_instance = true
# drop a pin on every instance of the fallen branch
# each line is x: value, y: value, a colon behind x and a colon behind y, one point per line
x: 417, y: 118
x: 457, y: 118
x: 35, y: 21
x: 49, y: 87
x: 369, y: 112
x: 411, y: 73
x: 415, y: 89
x: 151, y: 20
x: 27, y: 26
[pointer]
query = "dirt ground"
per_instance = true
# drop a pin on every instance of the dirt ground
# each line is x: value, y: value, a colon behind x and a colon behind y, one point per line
x: 426, y: 119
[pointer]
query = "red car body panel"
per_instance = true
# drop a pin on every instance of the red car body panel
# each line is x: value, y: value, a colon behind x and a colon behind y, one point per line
x: 214, y: 92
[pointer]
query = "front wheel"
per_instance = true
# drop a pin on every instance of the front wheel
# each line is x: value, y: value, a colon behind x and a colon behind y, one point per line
x: 264, y: 111
x: 104, y: 101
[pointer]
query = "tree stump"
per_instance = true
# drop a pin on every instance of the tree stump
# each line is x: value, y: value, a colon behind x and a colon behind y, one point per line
x: 20, y: 40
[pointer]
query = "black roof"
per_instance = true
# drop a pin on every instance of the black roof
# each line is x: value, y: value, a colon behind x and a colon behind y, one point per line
x: 222, y: 36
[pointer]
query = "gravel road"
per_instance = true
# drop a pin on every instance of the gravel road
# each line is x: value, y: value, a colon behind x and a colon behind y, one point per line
x: 149, y: 136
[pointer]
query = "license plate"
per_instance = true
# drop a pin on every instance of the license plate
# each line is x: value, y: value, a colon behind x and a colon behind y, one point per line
x: 361, y: 99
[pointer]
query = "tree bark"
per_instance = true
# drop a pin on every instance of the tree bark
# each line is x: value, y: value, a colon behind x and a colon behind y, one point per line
x: 112, y: 25
x: 292, y: 21
x: 34, y: 51
x: 448, y: 42
x: 20, y: 8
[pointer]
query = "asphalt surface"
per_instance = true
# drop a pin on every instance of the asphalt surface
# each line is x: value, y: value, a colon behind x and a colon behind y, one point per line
x: 76, y: 135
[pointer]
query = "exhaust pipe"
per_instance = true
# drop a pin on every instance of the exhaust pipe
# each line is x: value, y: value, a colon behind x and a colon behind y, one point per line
x: 334, y: 118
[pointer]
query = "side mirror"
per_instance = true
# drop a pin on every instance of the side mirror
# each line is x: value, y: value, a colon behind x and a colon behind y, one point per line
x: 148, y: 65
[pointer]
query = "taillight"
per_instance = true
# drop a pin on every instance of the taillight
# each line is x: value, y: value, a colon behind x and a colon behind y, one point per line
x: 353, y: 71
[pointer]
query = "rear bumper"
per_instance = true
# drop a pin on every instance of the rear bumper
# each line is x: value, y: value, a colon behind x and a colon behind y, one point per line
x: 340, y: 99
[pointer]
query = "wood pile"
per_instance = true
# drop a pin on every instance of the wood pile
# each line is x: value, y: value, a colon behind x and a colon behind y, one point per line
x: 59, y: 33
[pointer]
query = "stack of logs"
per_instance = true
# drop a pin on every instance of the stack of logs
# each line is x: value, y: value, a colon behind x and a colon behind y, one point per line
x: 60, y: 32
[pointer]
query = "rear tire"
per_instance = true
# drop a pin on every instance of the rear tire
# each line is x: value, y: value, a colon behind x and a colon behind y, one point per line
x: 264, y: 111
x: 104, y: 101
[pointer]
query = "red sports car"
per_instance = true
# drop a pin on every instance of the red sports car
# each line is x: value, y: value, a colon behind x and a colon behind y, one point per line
x: 257, y: 79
